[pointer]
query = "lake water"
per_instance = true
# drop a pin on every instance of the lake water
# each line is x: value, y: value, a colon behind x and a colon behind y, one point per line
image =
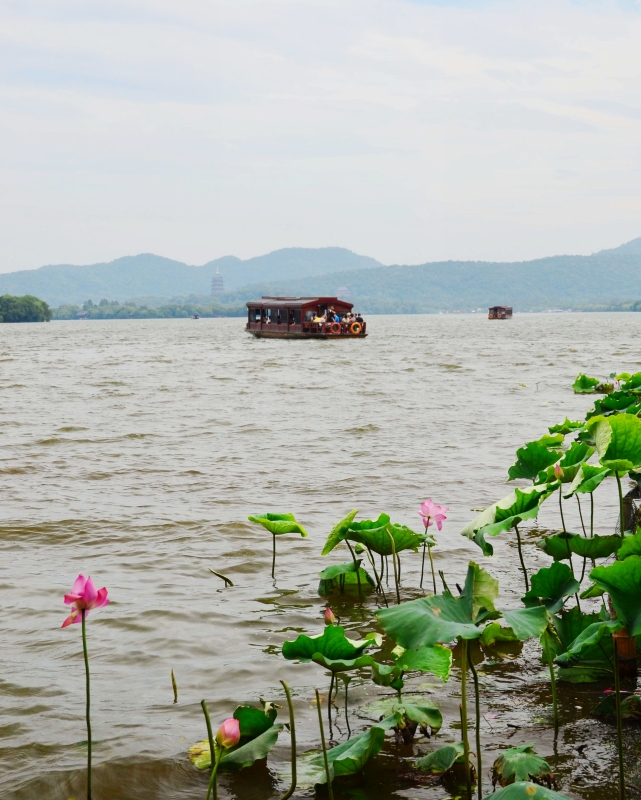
x: 135, y: 450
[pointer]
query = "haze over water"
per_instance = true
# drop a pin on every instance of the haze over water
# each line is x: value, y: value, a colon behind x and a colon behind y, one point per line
x: 134, y: 451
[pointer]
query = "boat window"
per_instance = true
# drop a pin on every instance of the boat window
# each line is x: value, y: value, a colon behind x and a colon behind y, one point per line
x: 309, y: 315
x: 255, y: 313
x: 294, y: 316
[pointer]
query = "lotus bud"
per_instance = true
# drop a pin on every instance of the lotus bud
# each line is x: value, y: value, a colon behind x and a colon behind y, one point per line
x: 329, y: 616
x: 558, y: 471
x: 228, y: 734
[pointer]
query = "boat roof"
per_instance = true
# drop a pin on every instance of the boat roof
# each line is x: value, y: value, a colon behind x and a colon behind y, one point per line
x: 271, y: 301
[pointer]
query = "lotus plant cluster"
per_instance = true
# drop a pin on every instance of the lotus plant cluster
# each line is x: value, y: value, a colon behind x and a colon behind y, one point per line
x: 584, y: 608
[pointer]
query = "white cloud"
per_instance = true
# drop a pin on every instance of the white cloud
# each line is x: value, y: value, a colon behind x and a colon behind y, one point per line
x: 407, y: 131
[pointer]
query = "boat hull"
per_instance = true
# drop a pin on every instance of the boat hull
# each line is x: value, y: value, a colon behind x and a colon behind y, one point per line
x: 298, y: 335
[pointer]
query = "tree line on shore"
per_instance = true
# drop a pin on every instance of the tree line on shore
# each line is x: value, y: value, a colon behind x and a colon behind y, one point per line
x: 128, y: 309
x: 23, y: 309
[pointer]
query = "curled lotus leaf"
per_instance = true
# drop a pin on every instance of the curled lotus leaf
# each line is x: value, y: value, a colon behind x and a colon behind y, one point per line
x: 567, y: 426
x: 590, y: 662
x: 278, y: 524
x: 436, y: 659
x: 526, y: 791
x: 531, y: 460
x: 378, y: 538
x: 630, y: 707
x: 342, y: 664
x: 344, y: 576
x: 588, y: 638
x: 622, y: 581
x: 521, y: 764
x: 613, y: 403
x: 442, y: 760
x: 570, y: 463
x: 561, y: 545
x: 512, y: 509
x: 527, y: 623
x: 587, y: 478
x: 331, y: 646
x: 495, y: 633
x: 551, y: 586
x: 584, y: 384
x: 258, y: 734
x: 618, y: 441
x: 633, y: 383
x: 337, y: 534
x: 630, y: 546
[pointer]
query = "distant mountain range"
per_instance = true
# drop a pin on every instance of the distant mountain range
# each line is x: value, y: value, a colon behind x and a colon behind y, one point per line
x: 603, y: 278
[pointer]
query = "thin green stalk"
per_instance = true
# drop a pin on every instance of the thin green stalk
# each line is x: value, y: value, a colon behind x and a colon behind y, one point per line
x: 398, y: 594
x: 581, y: 515
x: 621, y: 514
x: 429, y: 551
x: 358, y: 576
x: 477, y: 701
x: 329, y: 704
x: 518, y: 544
x: 210, y: 733
x: 88, y: 701
x: 442, y: 577
x: 174, y: 686
x: 561, y: 509
x: 324, y: 746
x: 423, y: 564
x: 617, y: 688
x: 398, y: 561
x: 346, y: 680
x: 555, y: 707
x: 292, y: 731
x: 273, y: 555
x: 212, y: 781
x: 591, y: 515
x: 379, y: 582
x: 466, y: 744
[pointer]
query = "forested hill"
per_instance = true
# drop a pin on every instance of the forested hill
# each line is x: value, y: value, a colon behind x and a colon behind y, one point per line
x: 151, y: 275
x: 558, y: 281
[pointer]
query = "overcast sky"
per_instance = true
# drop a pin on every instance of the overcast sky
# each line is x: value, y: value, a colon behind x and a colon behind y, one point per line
x: 407, y: 131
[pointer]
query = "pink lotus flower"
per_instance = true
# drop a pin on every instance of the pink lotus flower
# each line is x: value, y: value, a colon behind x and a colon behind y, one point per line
x: 329, y: 616
x: 83, y: 597
x: 228, y: 734
x: 433, y: 513
x: 558, y: 471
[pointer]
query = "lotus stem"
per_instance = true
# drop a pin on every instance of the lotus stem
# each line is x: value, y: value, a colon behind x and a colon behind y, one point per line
x: 398, y: 594
x: 398, y: 561
x: 273, y: 555
x: 561, y: 509
x: 88, y: 702
x: 581, y: 515
x: 617, y: 689
x: 324, y: 746
x: 358, y: 576
x: 174, y: 686
x: 429, y: 552
x: 329, y: 704
x: 210, y: 736
x: 555, y: 707
x: 591, y: 514
x: 621, y: 512
x: 518, y: 543
x: 466, y: 744
x: 422, y: 566
x: 212, y: 781
x: 378, y: 579
x: 292, y: 731
x: 477, y: 701
x: 442, y: 577
x: 346, y: 681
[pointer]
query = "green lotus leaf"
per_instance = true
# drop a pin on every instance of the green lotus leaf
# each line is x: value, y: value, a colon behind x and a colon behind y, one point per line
x: 596, y: 547
x: 531, y: 460
x: 612, y: 404
x: 587, y: 479
x: 622, y: 581
x: 379, y: 538
x: 633, y: 382
x: 527, y: 622
x: 592, y: 591
x: 443, y: 617
x: 436, y: 659
x: 584, y: 384
x: 347, y: 758
x: 571, y: 462
x: 440, y: 761
x: 554, y: 441
x: 618, y: 441
x: 594, y: 661
x: 551, y: 585
x: 332, y: 644
x: 278, y: 524
x: 631, y: 546
x: 513, y: 508
x: 590, y: 636
x: 338, y: 533
x: 342, y: 664
x: 526, y: 791
x: 520, y: 764
x: 330, y: 578
x: 495, y: 634
x: 567, y: 426
x: 258, y: 734
x: 630, y: 707
x: 425, y: 716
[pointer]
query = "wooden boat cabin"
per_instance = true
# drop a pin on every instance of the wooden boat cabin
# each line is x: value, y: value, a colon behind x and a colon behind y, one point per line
x: 303, y: 318
x: 500, y: 312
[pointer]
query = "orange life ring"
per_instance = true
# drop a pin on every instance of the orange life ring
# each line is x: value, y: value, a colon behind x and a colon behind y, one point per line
x: 356, y: 328
x: 490, y: 316
x: 335, y: 327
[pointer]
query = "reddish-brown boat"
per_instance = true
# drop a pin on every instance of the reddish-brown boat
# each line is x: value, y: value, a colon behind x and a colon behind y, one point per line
x: 293, y: 318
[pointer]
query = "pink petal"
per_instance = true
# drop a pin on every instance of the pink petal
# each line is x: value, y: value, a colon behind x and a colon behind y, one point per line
x: 90, y: 593
x: 72, y: 598
x: 73, y: 618
x: 102, y: 599
x: 79, y: 586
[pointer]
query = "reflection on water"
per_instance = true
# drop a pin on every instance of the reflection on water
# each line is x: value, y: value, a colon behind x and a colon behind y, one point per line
x: 134, y: 451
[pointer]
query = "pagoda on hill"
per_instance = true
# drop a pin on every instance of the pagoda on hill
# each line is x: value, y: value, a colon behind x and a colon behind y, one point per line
x: 217, y: 283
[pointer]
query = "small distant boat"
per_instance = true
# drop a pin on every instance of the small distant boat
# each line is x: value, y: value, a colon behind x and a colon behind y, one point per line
x: 500, y: 312
x: 294, y: 318
x: 196, y: 316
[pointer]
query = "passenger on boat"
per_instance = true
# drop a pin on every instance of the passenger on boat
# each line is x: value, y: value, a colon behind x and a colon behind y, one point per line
x: 359, y: 318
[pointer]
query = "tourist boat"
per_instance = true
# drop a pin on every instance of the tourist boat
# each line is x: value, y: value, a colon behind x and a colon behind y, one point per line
x: 500, y: 312
x: 292, y: 318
